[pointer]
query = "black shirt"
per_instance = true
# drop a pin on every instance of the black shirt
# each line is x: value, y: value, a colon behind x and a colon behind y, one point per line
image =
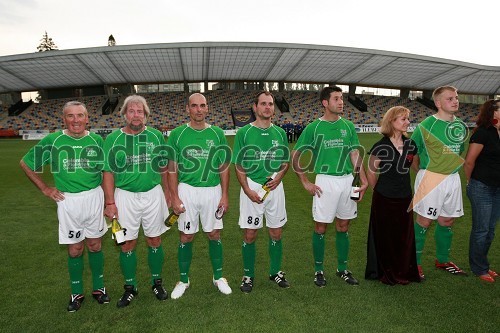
x: 394, y: 167
x: 487, y: 168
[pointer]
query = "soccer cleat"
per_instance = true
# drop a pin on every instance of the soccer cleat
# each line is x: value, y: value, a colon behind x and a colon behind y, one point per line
x: 319, y: 279
x: 223, y: 286
x: 493, y: 274
x: 347, y: 277
x: 75, y: 302
x: 486, y: 278
x: 160, y: 292
x: 179, y: 289
x: 450, y: 267
x: 128, y: 296
x: 246, y: 284
x: 280, y: 280
x: 421, y: 272
x: 101, y: 296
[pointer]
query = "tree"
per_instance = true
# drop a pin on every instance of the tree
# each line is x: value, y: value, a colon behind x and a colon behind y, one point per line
x: 111, y: 40
x: 46, y: 44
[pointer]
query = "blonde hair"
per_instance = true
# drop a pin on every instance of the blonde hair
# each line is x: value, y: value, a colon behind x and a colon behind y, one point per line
x: 138, y: 100
x: 439, y: 90
x: 391, y: 114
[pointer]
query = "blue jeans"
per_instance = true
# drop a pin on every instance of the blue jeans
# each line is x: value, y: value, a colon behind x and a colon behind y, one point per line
x: 485, y: 204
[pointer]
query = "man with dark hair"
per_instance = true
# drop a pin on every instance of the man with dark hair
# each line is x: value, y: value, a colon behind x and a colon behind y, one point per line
x: 261, y: 156
x: 334, y: 144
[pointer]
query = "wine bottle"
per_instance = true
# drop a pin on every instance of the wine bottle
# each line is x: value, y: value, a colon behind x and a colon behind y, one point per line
x: 356, y: 184
x: 118, y: 233
x: 220, y: 212
x: 264, y: 191
x: 172, y: 218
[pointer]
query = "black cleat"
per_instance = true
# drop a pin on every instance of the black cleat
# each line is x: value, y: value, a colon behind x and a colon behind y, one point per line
x: 246, y: 284
x: 280, y: 280
x: 160, y: 292
x: 101, y: 296
x: 127, y: 297
x: 319, y: 279
x: 75, y: 302
x: 347, y: 277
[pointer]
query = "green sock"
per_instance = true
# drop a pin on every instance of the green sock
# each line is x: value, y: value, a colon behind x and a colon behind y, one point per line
x: 155, y: 261
x: 215, y: 252
x: 184, y: 256
x: 342, y: 243
x: 96, y: 262
x: 443, y: 236
x: 275, y: 254
x: 248, y: 251
x: 318, y: 241
x: 75, y: 268
x: 128, y: 264
x: 420, y: 234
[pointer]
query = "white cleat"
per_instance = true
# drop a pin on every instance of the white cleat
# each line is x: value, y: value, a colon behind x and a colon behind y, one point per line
x: 179, y: 290
x: 223, y: 286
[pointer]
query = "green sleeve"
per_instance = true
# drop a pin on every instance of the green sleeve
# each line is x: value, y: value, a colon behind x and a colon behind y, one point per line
x: 306, y: 139
x: 40, y: 154
x: 108, y: 144
x: 173, y: 148
x: 238, y: 143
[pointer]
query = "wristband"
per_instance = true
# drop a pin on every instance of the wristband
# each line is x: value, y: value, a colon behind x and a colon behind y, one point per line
x: 110, y: 203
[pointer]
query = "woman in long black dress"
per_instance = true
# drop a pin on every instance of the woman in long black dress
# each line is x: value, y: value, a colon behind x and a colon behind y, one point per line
x: 391, y: 238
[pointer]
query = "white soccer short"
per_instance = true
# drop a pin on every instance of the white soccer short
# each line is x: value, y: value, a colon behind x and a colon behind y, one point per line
x: 444, y: 200
x: 335, y: 200
x: 273, y: 208
x: 146, y: 208
x: 200, y: 204
x: 81, y: 216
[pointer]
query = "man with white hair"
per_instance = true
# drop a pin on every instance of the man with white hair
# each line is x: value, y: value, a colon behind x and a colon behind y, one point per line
x: 74, y: 155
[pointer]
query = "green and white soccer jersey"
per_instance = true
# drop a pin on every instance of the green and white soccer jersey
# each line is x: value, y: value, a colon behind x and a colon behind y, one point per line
x: 76, y: 163
x: 440, y: 144
x: 135, y: 160
x: 330, y: 143
x: 260, y: 151
x: 199, y: 154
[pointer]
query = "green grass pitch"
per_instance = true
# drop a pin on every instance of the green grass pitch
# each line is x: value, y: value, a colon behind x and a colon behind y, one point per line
x: 35, y: 289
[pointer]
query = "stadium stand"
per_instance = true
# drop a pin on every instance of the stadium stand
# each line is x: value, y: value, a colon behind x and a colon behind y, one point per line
x: 305, y: 107
x: 47, y: 114
x: 378, y: 105
x: 168, y: 110
x: 468, y: 112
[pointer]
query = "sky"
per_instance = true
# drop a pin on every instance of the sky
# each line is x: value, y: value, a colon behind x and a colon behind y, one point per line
x: 453, y: 30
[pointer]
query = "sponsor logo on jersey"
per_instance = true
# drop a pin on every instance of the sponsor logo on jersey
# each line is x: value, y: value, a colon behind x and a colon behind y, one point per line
x: 150, y: 146
x: 332, y: 143
x: 91, y: 152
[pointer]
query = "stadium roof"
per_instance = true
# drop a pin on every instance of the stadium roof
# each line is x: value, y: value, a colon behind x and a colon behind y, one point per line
x: 239, y: 61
